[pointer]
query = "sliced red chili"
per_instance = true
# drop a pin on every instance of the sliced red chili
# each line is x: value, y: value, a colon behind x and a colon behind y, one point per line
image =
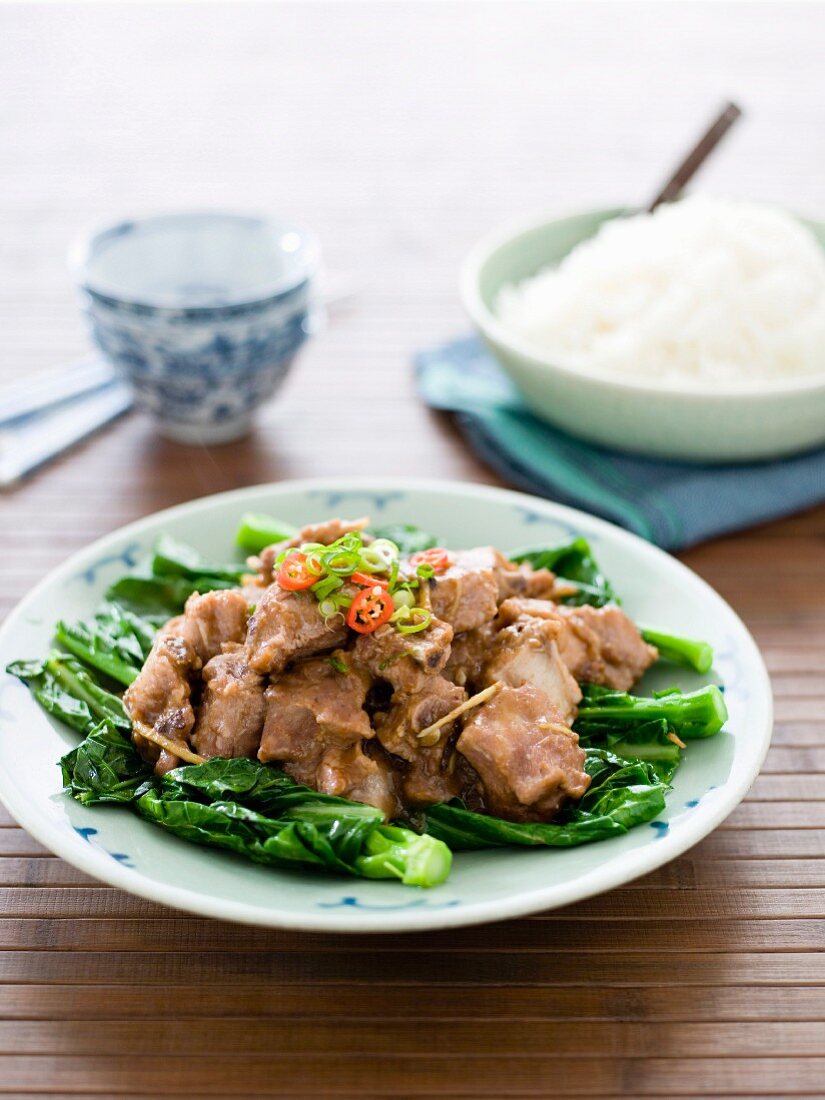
x: 369, y: 610
x: 368, y: 580
x: 437, y: 558
x: 295, y: 573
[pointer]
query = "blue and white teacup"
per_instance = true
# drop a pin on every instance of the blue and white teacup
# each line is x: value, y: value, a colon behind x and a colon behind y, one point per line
x: 201, y: 312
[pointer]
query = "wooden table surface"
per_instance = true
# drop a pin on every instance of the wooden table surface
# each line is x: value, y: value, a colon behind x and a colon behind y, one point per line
x: 401, y: 133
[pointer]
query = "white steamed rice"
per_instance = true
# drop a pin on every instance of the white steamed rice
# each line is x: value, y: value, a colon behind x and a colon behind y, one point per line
x: 703, y: 290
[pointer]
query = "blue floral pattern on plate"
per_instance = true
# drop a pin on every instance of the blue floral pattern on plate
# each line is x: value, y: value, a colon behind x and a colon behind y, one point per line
x: 377, y: 501
x: 87, y: 833
x: 351, y: 902
x: 128, y: 557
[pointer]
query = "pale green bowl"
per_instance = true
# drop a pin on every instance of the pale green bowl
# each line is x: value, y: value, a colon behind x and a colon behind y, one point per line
x: 725, y: 423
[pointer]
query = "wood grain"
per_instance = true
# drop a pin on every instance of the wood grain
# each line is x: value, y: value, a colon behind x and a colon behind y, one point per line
x: 401, y: 132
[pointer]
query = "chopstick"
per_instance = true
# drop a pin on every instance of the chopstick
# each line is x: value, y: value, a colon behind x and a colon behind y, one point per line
x: 29, y: 442
x: 23, y: 400
x: 697, y: 156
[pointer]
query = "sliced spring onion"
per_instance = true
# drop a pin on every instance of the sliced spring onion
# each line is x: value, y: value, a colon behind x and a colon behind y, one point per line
x: 420, y: 618
x: 385, y: 548
x: 333, y: 606
x: 410, y: 620
x: 394, y: 573
x: 326, y: 586
x: 350, y: 541
x: 341, y: 562
x: 335, y: 564
x: 372, y: 561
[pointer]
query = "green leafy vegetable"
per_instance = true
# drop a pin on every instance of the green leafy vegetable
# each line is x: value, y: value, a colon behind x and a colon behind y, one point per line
x: 259, y: 812
x: 176, y: 572
x: 160, y: 597
x: 257, y: 531
x: 264, y: 788
x: 105, y: 767
x: 253, y: 810
x: 68, y: 691
x: 621, y: 795
x: 407, y: 537
x: 689, y: 715
x: 176, y: 559
x: 392, y: 852
x: 115, y: 642
x: 650, y: 741
x: 681, y: 651
x: 574, y: 562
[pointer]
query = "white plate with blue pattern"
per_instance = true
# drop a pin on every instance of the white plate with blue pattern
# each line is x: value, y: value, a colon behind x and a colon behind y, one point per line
x: 116, y: 847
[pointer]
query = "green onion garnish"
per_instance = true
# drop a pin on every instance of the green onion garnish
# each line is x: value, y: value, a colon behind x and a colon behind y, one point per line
x: 373, y: 562
x: 419, y: 619
x: 313, y: 565
x: 333, y: 565
x: 343, y: 564
x: 326, y: 586
x: 385, y: 549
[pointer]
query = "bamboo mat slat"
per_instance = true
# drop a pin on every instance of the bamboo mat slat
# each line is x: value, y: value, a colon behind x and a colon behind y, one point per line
x: 325, y: 1074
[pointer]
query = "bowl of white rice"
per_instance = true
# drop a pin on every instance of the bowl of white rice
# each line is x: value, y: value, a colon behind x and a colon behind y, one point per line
x: 696, y: 332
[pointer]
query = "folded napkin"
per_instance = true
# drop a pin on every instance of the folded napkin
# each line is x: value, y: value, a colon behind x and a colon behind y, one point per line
x: 673, y: 504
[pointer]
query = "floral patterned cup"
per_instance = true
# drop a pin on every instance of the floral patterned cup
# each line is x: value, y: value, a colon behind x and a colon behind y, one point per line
x: 202, y: 313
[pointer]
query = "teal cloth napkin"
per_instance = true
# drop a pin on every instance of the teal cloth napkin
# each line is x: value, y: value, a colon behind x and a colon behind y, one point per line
x: 673, y: 504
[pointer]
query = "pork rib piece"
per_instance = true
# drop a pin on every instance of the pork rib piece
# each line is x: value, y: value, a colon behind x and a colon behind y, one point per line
x: 429, y: 777
x: 159, y: 698
x: 315, y: 726
x: 523, y: 580
x: 287, y: 625
x: 528, y: 761
x: 404, y: 660
x: 600, y: 645
x: 468, y: 654
x: 466, y: 594
x: 525, y: 651
x: 231, y: 715
x: 603, y: 646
